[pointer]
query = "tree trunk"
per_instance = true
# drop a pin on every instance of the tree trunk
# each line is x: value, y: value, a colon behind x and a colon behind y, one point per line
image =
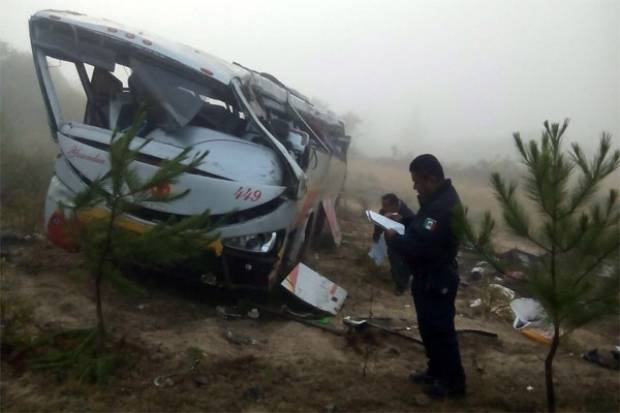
x: 100, y: 325
x: 99, y: 276
x: 549, y: 369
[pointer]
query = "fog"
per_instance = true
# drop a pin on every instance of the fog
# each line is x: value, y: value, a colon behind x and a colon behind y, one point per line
x: 451, y: 77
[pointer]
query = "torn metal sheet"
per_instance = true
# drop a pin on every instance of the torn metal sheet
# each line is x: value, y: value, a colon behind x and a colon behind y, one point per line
x: 332, y: 220
x: 314, y: 289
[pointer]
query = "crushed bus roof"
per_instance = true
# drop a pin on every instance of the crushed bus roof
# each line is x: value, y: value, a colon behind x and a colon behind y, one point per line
x: 195, y: 59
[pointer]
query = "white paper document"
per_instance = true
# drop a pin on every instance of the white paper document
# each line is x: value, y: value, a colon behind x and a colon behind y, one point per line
x: 385, y: 223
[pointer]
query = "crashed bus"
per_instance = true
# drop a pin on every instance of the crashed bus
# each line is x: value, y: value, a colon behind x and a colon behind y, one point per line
x: 276, y: 163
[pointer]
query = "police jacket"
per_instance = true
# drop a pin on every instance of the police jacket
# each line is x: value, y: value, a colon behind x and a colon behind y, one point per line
x: 430, y: 245
x: 403, y: 211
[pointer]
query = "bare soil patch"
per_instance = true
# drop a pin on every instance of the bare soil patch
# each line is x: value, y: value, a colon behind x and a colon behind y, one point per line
x: 291, y: 366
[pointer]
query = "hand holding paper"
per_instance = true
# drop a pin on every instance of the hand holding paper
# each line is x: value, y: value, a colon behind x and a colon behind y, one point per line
x: 385, y: 223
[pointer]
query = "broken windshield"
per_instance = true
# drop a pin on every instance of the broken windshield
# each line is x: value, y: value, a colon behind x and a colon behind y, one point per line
x: 173, y: 96
x: 172, y: 101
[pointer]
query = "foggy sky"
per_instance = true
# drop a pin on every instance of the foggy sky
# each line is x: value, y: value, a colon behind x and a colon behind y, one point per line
x: 451, y: 77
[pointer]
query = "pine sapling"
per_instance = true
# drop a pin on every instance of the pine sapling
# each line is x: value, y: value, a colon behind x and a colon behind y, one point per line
x: 576, y: 229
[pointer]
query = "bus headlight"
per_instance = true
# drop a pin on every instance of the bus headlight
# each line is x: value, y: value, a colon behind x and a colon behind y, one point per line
x: 254, y: 243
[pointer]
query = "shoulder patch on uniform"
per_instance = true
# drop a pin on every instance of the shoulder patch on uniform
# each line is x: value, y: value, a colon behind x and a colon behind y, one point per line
x: 429, y: 224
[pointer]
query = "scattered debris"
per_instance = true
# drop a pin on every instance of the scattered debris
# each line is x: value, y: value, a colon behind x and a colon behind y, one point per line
x: 531, y: 319
x: 254, y: 314
x: 325, y: 320
x: 314, y: 289
x: 608, y: 358
x: 540, y: 335
x: 385, y: 324
x: 228, y: 312
x: 506, y: 292
x: 170, y: 380
x: 358, y: 324
x: 527, y: 312
x: 306, y: 319
x: 518, y: 257
x: 516, y: 275
x: 238, y: 338
x: 351, y: 322
x: 475, y: 303
x: 163, y: 381
x: 607, y: 271
x: 476, y: 274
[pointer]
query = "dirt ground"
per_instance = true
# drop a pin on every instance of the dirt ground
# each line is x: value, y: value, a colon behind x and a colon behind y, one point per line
x: 289, y: 366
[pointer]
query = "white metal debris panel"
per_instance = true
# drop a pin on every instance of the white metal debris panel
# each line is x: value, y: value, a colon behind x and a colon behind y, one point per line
x: 205, y: 63
x: 314, y: 289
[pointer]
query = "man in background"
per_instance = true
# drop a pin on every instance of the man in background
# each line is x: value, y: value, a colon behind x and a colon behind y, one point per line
x: 430, y: 247
x: 397, y: 210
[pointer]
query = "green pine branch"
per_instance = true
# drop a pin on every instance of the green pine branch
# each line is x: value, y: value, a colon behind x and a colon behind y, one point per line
x: 110, y: 248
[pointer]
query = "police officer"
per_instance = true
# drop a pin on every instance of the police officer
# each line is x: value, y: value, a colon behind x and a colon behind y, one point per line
x: 430, y: 248
x: 395, y: 209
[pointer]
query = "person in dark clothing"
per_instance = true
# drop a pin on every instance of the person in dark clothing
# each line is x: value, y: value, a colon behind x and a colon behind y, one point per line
x: 395, y: 209
x: 430, y: 247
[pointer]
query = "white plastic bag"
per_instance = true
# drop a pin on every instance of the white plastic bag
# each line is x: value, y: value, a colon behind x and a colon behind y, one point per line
x: 378, y: 251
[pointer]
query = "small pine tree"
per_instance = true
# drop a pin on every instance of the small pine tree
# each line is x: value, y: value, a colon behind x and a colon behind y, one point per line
x: 107, y: 246
x: 578, y: 233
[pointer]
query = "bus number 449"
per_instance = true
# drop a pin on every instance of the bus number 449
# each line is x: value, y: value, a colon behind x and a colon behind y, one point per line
x: 248, y: 194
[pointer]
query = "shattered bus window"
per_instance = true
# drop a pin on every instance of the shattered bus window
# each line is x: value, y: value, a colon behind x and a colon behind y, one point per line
x: 65, y: 77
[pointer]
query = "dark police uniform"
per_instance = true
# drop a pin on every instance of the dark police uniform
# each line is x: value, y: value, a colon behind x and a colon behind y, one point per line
x: 430, y: 248
x: 398, y: 267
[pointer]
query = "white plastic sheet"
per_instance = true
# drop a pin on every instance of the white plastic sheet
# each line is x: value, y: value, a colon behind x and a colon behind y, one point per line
x: 528, y: 312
